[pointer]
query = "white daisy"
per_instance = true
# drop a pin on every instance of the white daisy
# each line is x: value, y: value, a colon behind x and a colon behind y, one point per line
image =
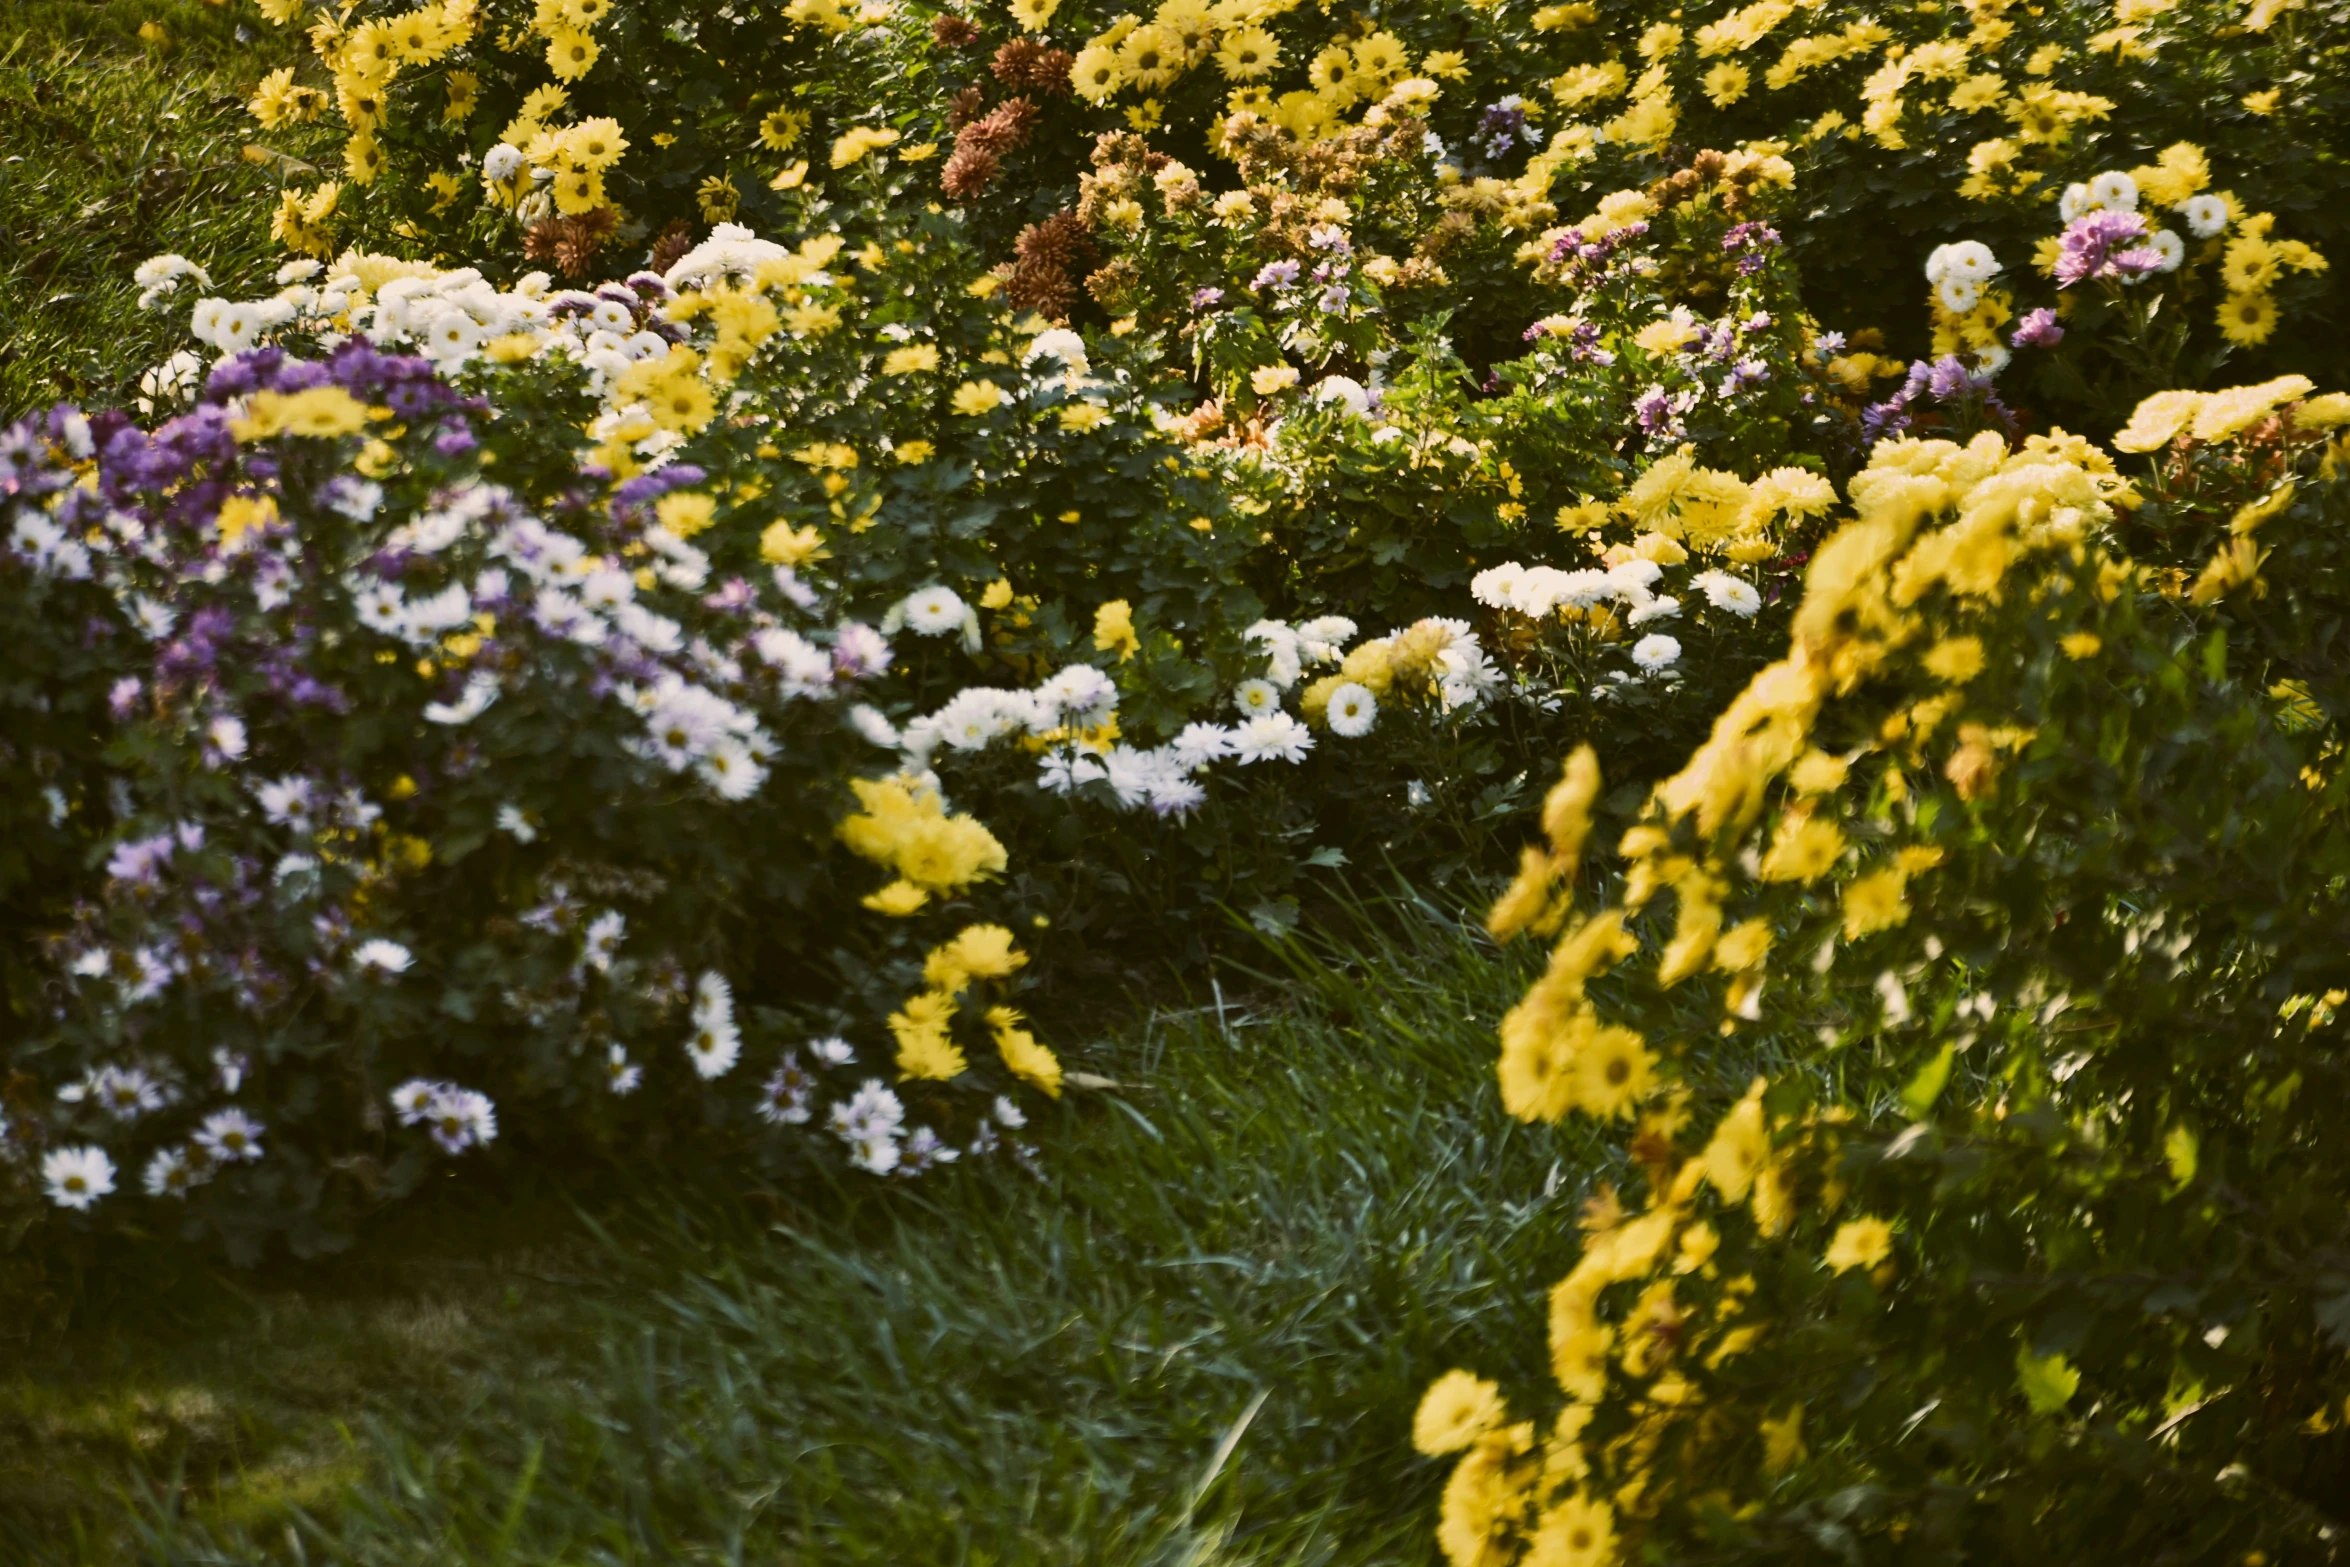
x: 1255, y: 697
x: 229, y: 1136
x: 171, y: 1173
x: 1726, y: 592
x: 2206, y: 216
x: 934, y: 612
x: 1270, y: 737
x: 77, y: 1177
x: 1655, y: 652
x: 381, y: 956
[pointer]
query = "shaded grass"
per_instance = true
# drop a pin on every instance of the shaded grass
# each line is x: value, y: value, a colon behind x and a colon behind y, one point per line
x: 113, y: 149
x: 1262, y: 1247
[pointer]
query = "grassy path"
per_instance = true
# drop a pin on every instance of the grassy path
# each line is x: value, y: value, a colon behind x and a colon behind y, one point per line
x: 1195, y: 1334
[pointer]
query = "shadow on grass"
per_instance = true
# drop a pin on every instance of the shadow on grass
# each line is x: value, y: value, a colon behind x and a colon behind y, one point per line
x: 1194, y: 1332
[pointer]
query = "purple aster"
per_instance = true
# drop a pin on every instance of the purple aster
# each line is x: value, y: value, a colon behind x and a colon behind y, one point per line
x: 2038, y: 329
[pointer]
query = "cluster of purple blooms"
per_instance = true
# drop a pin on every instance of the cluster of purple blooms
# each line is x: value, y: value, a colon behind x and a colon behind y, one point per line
x: 1752, y: 244
x: 2108, y: 244
x: 1584, y: 263
x: 1334, y: 294
x: 1504, y: 125
x: 1967, y: 397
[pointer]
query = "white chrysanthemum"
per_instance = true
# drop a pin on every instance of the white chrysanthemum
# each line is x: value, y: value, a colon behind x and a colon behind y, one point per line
x: 2205, y: 216
x: 1726, y: 592
x: 1958, y: 295
x: 874, y: 725
x: 934, y: 612
x: 1059, y: 343
x: 621, y: 1074
x: 1353, y: 710
x: 1079, y: 689
x: 1661, y: 607
x: 502, y: 162
x: 229, y: 1136
x: 475, y: 700
x: 872, y: 1111
x: 126, y: 1093
x: 874, y: 1155
x: 832, y: 1050
x: 77, y: 1177
x: 381, y: 956
x: 1272, y: 737
x: 1655, y: 652
x: 1970, y: 260
x: 1255, y: 698
x: 2114, y: 191
x: 1061, y: 771
x: 602, y: 944
x: 731, y: 771
x: 2172, y: 249
x: 1344, y: 390
x: 1491, y: 587
x: 1200, y: 744
x: 972, y: 718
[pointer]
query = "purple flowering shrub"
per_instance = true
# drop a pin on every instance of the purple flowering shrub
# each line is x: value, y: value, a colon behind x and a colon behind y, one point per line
x: 432, y: 793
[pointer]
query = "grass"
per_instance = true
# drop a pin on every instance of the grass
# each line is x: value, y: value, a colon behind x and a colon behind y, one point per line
x: 1195, y: 1333
x: 114, y: 148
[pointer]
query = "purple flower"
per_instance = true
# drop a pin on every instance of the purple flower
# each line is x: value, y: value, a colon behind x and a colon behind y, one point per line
x: 1653, y: 408
x: 1207, y: 297
x: 858, y: 651
x: 123, y: 697
x: 2093, y: 247
x: 139, y: 862
x: 1334, y: 299
x: 1275, y: 274
x: 2038, y: 329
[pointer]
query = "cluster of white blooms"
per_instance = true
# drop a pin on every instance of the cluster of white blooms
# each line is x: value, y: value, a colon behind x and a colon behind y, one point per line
x: 1958, y: 273
x: 715, y: 1044
x: 1541, y: 592
x: 458, y: 1118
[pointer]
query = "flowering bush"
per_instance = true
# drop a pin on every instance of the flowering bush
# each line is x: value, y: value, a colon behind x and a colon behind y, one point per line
x: 1968, y: 995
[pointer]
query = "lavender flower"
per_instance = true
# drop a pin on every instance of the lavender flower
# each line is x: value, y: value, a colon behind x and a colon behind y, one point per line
x: 2038, y: 329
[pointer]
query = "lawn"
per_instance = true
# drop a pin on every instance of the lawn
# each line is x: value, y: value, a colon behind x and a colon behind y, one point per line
x: 1193, y: 1331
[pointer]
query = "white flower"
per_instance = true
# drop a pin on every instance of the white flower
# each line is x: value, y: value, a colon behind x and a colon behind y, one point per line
x: 1655, y: 651
x: 1058, y: 343
x: 2115, y: 191
x: 1063, y: 770
x: 1009, y: 1113
x: 2073, y: 202
x: 2169, y: 247
x: 77, y: 1177
x: 873, y: 1111
x: 479, y: 693
x: 1662, y: 607
x: 502, y: 162
x: 412, y: 1099
x: 973, y: 718
x: 604, y: 935
x: 730, y: 770
x: 874, y: 1155
x: 1724, y: 591
x: 384, y: 957
x: 1969, y: 261
x: 228, y: 1136
x: 832, y: 1051
x: 1491, y: 587
x: 382, y: 608
x: 229, y: 1068
x: 621, y: 1074
x: 460, y: 1118
x: 1271, y: 737
x: 1353, y: 709
x: 870, y: 722
x: 1200, y: 744
x: 1959, y: 295
x: 513, y: 822
x: 934, y: 612
x: 1255, y: 698
x: 1990, y: 359
x: 1079, y: 689
x: 715, y: 1043
x: 126, y: 1093
x: 1343, y: 389
x: 171, y: 1173
x: 2206, y: 216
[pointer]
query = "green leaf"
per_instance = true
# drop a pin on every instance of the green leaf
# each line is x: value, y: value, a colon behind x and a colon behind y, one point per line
x: 1927, y: 1085
x: 2048, y: 1381
x: 2179, y: 1150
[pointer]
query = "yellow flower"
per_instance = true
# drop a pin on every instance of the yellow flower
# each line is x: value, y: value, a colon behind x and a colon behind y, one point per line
x: 1859, y: 1243
x: 1875, y: 902
x: 685, y: 513
x: 1802, y: 849
x: 2261, y: 102
x: 1096, y: 73
x: 1023, y: 1054
x: 1448, y: 65
x: 2220, y: 416
x: 1614, y: 1072
x: 1456, y: 1410
x: 912, y: 359
x: 1113, y: 630
x: 912, y: 454
x: 1955, y: 660
x: 924, y: 1048
x: 2248, y: 320
x: 322, y: 411
x: 1265, y: 380
x: 781, y: 544
x: 897, y: 900
x: 1150, y: 58
x: 1248, y: 54
x: 1983, y: 91
x: 1033, y: 14
x: 1782, y: 1440
x: 1725, y: 84
x: 571, y: 54
x: 1080, y: 417
x: 2082, y: 644
x: 2157, y: 421
x: 855, y: 144
x: 718, y: 198
x: 781, y: 130
x: 1578, y: 1532
x: 974, y: 398
x: 1741, y: 1145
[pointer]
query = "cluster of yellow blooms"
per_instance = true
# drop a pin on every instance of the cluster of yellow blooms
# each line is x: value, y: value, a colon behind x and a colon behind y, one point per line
x: 926, y: 1046
x: 904, y: 826
x: 1519, y: 1493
